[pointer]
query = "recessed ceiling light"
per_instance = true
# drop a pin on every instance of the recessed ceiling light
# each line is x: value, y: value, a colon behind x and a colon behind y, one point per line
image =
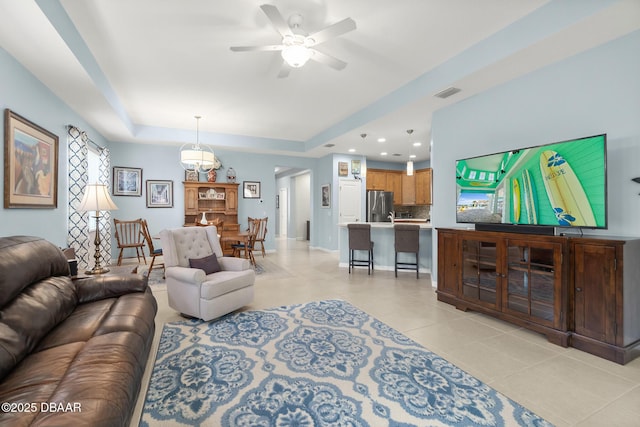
x: 413, y: 156
x: 417, y: 144
x: 382, y: 139
x: 384, y: 153
x: 352, y: 150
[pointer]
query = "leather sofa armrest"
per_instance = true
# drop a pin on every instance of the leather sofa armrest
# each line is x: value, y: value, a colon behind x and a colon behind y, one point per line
x: 234, y: 264
x: 193, y: 276
x: 101, y: 287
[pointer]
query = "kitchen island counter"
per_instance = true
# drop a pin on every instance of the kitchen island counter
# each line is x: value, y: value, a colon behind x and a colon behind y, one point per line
x: 383, y: 236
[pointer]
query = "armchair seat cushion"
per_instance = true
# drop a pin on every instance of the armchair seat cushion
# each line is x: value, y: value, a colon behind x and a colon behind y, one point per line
x: 223, y: 282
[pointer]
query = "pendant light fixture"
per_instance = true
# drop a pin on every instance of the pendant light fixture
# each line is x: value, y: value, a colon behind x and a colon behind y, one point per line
x: 195, y: 156
x: 410, y: 162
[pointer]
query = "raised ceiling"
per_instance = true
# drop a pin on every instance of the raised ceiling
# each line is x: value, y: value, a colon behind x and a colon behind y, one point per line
x: 138, y: 71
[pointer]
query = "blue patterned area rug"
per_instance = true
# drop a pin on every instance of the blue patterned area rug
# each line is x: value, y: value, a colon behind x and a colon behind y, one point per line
x: 324, y: 363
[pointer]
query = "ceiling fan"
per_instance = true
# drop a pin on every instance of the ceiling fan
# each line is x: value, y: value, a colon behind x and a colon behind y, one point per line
x: 297, y: 46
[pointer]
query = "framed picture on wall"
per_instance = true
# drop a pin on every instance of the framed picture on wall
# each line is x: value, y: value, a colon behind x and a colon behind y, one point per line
x: 191, y: 175
x: 127, y: 181
x: 343, y: 168
x: 326, y: 196
x: 30, y: 164
x: 159, y: 194
x: 355, y: 167
x: 251, y: 189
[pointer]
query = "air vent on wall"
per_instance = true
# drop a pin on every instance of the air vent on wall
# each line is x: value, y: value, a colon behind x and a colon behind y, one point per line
x: 447, y: 92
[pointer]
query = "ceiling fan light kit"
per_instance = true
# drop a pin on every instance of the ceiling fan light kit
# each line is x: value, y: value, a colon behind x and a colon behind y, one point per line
x: 297, y: 47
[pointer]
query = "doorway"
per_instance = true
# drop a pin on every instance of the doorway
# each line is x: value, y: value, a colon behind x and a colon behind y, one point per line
x: 349, y: 200
x: 283, y: 216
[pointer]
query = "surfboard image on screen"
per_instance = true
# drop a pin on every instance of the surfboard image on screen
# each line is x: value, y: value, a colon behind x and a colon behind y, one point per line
x: 529, y: 198
x: 515, y: 195
x: 565, y: 192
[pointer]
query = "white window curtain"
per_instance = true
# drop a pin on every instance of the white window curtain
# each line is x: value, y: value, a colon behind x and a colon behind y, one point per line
x: 78, y: 234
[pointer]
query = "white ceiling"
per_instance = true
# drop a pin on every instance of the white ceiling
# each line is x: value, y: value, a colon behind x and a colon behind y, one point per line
x: 138, y: 71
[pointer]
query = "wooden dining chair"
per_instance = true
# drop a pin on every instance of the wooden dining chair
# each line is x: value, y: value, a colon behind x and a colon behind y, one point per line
x: 153, y: 252
x: 248, y: 248
x: 129, y: 234
x: 261, y: 231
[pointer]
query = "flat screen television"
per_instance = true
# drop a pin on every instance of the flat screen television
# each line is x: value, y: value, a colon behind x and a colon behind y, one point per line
x: 563, y: 184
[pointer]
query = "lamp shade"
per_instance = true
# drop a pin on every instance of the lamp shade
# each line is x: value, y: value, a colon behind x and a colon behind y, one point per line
x: 197, y: 157
x: 96, y: 198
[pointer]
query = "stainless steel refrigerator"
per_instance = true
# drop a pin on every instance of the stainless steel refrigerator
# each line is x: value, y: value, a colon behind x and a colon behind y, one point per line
x: 379, y: 204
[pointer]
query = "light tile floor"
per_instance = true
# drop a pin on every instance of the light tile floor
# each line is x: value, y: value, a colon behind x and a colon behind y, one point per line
x: 565, y: 386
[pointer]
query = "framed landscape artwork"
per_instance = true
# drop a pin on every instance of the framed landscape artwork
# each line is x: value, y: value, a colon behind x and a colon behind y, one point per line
x: 326, y: 196
x: 343, y: 168
x: 30, y: 164
x: 251, y: 189
x: 191, y: 175
x: 159, y: 194
x: 127, y: 181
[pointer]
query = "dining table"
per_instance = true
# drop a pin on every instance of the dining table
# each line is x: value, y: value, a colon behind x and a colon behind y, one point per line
x: 240, y: 237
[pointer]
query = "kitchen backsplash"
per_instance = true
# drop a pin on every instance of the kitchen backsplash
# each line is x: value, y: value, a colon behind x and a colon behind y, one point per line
x: 422, y: 211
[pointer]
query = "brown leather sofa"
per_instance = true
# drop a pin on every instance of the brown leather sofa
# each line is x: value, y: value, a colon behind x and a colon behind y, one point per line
x: 72, y: 352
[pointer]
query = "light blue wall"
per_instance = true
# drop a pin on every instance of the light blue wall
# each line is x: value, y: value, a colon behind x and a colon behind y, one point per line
x: 161, y: 162
x: 22, y: 93
x: 595, y: 92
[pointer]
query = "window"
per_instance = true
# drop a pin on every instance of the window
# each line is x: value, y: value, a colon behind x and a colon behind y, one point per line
x: 93, y: 171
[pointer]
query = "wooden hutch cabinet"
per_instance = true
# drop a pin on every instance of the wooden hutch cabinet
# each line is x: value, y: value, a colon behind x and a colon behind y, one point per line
x: 575, y: 290
x: 216, y: 200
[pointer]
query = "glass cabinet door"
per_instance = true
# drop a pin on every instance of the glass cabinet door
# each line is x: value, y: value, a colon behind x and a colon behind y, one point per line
x: 533, y: 269
x: 480, y: 272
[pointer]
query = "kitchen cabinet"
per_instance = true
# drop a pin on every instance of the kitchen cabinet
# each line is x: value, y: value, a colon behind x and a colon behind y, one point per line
x: 408, y: 189
x: 376, y: 179
x: 394, y: 183
x: 423, y: 186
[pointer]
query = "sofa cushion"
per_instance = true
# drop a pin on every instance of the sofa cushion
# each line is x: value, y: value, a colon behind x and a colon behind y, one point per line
x: 43, y: 259
x: 208, y: 264
x: 29, y: 317
x: 35, y: 380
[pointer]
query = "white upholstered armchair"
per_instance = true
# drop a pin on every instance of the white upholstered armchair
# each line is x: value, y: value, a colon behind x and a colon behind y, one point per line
x: 193, y: 292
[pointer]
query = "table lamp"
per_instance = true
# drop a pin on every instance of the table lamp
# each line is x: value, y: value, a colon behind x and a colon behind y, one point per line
x: 96, y: 198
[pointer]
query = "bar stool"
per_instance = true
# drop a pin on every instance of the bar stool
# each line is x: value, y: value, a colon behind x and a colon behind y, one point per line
x: 360, y: 240
x: 407, y: 239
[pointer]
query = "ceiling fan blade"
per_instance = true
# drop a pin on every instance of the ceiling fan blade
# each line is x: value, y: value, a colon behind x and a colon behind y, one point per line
x: 334, y: 30
x: 276, y: 19
x: 284, y: 71
x: 256, y: 48
x: 329, y: 60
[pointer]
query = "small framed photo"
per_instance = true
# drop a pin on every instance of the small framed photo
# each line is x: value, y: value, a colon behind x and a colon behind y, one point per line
x: 355, y: 167
x: 159, y: 194
x: 343, y: 168
x: 191, y: 175
x: 127, y: 181
x: 326, y: 196
x: 30, y: 164
x: 251, y: 189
